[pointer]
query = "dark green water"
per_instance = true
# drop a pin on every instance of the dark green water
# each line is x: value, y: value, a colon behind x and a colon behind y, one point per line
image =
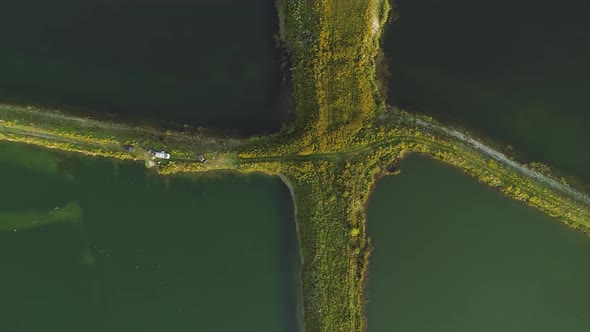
x: 450, y: 254
x: 515, y: 71
x: 128, y: 250
x: 201, y: 62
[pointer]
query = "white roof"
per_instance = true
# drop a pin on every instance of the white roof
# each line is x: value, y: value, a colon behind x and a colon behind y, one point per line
x: 162, y: 155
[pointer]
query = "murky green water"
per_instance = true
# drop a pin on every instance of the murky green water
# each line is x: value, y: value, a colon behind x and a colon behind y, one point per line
x: 451, y: 254
x: 202, y: 62
x: 516, y: 71
x: 95, y: 245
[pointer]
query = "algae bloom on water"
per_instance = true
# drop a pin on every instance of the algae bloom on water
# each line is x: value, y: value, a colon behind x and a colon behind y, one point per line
x: 17, y: 221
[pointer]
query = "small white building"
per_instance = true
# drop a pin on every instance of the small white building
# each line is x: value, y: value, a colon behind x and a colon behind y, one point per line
x: 161, y: 154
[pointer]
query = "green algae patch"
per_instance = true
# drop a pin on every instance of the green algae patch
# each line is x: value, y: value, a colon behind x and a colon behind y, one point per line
x: 36, y: 160
x: 20, y: 221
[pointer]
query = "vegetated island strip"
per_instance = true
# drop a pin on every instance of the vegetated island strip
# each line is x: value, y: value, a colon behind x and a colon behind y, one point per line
x: 343, y: 138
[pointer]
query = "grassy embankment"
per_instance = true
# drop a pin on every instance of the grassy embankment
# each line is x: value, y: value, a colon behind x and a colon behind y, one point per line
x: 342, y: 140
x: 53, y: 129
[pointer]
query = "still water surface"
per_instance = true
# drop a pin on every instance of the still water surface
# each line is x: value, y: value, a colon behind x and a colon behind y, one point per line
x: 515, y: 71
x: 128, y: 250
x: 202, y: 62
x: 451, y: 254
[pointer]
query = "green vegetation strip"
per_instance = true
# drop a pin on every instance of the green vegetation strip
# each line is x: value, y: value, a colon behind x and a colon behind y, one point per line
x: 342, y: 140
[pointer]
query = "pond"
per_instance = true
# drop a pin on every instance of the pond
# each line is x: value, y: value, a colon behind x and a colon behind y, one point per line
x: 200, y: 62
x: 451, y: 254
x: 515, y: 71
x: 98, y: 245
